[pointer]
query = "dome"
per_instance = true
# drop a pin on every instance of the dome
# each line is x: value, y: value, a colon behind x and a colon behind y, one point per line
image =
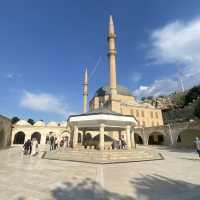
x: 63, y: 124
x: 52, y: 124
x: 39, y: 123
x: 102, y: 91
x: 23, y: 123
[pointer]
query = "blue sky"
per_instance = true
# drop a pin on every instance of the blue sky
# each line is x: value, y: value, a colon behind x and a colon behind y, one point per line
x: 45, y: 45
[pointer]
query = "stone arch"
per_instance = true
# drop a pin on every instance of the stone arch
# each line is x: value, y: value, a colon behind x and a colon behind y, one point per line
x: 108, y: 141
x: 88, y: 137
x: 187, y: 136
x: 138, y: 138
x: 106, y: 138
x: 65, y: 135
x: 37, y: 136
x: 19, y: 138
x: 156, y: 138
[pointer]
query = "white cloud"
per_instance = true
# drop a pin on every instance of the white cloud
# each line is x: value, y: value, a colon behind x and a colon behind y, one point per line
x: 176, y: 43
x: 136, y: 77
x: 43, y: 102
x: 12, y: 75
x: 159, y: 87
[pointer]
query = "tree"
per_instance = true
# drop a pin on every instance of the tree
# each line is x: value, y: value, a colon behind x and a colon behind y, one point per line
x: 197, y: 109
x: 31, y: 121
x: 150, y: 97
x: 143, y: 98
x: 179, y: 99
x: 192, y: 94
x: 14, y: 120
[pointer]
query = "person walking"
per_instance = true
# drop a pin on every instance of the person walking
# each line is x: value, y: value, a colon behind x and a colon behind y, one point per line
x: 65, y: 143
x: 197, y: 145
x: 51, y: 143
x: 120, y: 143
x: 29, y: 146
x: 26, y: 147
x: 35, y: 149
x: 56, y: 143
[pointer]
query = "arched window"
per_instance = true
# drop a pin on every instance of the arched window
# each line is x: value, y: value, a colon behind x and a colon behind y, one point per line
x: 156, y: 138
x: 138, y: 139
x: 37, y: 136
x: 19, y: 138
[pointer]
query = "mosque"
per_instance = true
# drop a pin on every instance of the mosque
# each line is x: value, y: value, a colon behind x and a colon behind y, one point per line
x: 117, y: 98
x: 113, y: 110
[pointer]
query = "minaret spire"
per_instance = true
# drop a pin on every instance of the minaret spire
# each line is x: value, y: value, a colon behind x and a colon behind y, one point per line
x: 85, y: 91
x: 112, y: 56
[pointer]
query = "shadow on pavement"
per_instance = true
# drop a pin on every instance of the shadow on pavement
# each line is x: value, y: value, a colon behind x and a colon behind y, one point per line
x: 156, y: 187
x: 87, y: 189
x: 152, y: 187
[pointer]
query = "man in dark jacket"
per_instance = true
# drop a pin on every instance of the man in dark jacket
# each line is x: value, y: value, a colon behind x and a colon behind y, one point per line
x: 51, y: 143
x: 27, y: 147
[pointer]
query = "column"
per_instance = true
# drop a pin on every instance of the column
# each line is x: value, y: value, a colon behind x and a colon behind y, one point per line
x: 133, y: 145
x: 75, y: 136
x: 128, y: 138
x: 13, y: 136
x: 43, y: 138
x: 101, y: 137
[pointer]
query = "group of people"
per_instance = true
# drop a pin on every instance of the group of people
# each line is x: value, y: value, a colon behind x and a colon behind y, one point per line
x: 54, y: 143
x: 31, y: 147
x: 119, y: 144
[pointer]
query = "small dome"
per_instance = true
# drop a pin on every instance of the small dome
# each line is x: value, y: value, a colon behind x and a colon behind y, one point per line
x: 23, y: 123
x: 52, y: 124
x: 102, y: 91
x: 63, y: 124
x: 39, y: 123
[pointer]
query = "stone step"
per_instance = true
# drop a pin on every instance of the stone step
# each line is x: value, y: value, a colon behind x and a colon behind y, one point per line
x: 103, y: 157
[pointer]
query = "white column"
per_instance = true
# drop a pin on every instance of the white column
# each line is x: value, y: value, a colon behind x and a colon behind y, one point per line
x: 27, y: 135
x: 128, y: 138
x: 75, y: 137
x: 13, y: 136
x: 101, y: 137
x: 43, y: 139
x: 133, y: 139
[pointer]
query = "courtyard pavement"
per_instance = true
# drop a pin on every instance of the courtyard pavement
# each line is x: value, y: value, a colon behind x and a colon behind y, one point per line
x: 32, y: 178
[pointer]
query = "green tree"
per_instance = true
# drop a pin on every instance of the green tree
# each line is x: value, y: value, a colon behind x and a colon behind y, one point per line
x: 192, y: 94
x: 179, y: 99
x: 14, y: 120
x: 31, y: 121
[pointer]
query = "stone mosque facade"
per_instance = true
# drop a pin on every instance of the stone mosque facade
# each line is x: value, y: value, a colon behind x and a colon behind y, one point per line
x: 112, y: 98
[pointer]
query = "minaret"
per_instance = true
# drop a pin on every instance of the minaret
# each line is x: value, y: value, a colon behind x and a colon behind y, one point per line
x: 85, y: 91
x: 112, y: 56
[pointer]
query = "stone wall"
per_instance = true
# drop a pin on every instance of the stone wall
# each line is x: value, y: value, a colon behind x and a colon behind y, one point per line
x: 5, y: 131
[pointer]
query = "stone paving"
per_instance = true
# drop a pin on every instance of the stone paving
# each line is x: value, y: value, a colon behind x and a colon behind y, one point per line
x: 31, y: 178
